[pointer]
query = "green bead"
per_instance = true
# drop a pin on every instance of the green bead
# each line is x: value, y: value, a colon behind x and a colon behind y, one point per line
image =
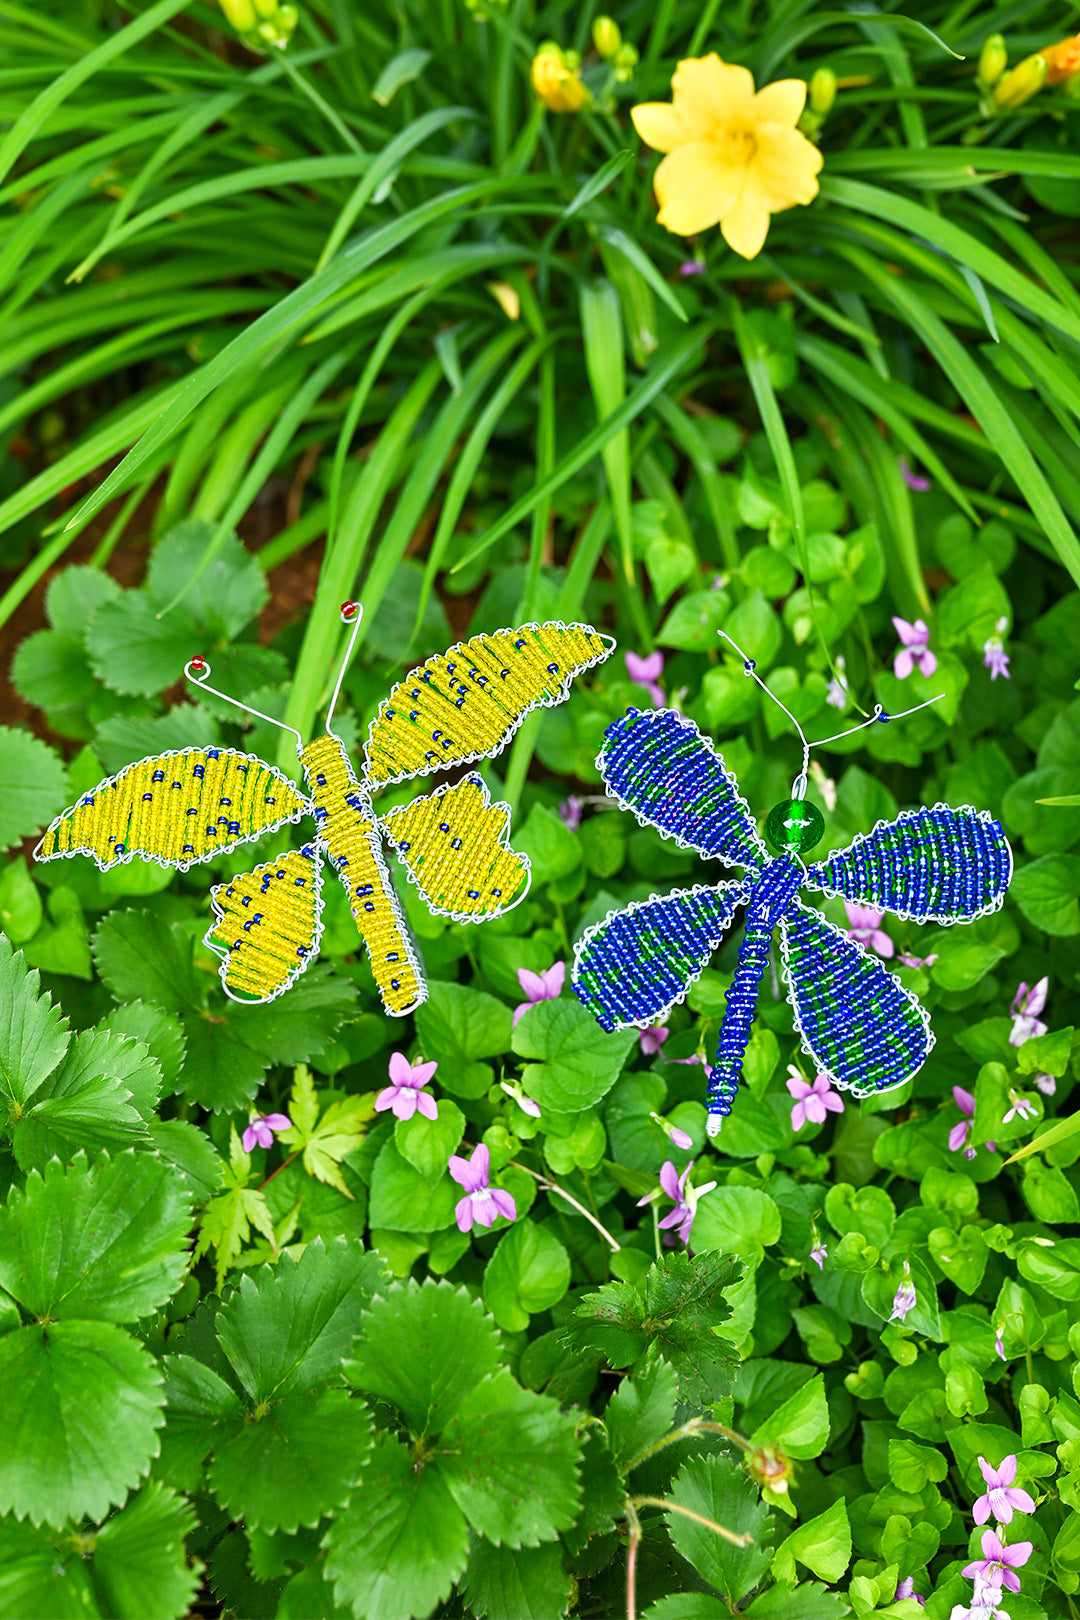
x: 794, y: 826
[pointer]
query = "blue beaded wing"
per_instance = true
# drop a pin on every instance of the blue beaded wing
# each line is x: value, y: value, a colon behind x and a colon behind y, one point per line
x: 659, y: 766
x: 857, y: 1021
x: 634, y: 966
x: 929, y: 865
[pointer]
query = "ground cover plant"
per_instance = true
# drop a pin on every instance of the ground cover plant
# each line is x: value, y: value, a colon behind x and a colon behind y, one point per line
x: 305, y: 1311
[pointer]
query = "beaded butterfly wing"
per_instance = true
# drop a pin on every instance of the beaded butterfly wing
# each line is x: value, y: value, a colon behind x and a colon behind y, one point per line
x: 857, y: 1022
x: 188, y: 806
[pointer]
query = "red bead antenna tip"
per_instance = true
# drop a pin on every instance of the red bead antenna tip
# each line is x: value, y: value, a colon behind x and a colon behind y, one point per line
x: 198, y: 668
x: 350, y: 612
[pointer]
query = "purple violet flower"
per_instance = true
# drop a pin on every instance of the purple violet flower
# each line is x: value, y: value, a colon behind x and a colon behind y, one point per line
x: 545, y: 986
x: 404, y: 1095
x: 813, y: 1100
x: 685, y: 1197
x: 570, y: 811
x: 819, y: 1253
x: 917, y: 961
x: 906, y: 1589
x: 999, y: 1341
x: 1027, y: 1003
x: 692, y: 267
x: 652, y: 1037
x: 1002, y: 1496
x: 905, y: 1298
x: 528, y: 1105
x: 1000, y: 1561
x: 646, y: 672
x: 995, y: 657
x: 915, y: 649
x: 675, y: 1135
x: 482, y: 1202
x: 962, y: 1129
x: 913, y: 480
x: 1045, y: 1083
x: 260, y: 1132
x: 864, y: 926
x: 1020, y: 1105
x: 836, y: 695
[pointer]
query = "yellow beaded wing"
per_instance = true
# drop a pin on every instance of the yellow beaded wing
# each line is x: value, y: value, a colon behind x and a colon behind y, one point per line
x: 189, y: 806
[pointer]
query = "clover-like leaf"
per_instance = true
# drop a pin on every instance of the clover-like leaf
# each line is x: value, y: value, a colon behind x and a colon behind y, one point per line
x: 293, y: 1460
x: 288, y: 1328
x: 88, y: 1398
x: 510, y: 1459
x: 424, y: 1347
x: 401, y: 1543
x: 104, y: 1242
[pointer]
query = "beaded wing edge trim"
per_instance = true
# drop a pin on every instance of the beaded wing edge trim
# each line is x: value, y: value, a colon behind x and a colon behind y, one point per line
x: 692, y: 849
x: 376, y: 784
x: 306, y: 809
x: 785, y: 971
x: 910, y: 916
x: 441, y: 911
x: 635, y: 905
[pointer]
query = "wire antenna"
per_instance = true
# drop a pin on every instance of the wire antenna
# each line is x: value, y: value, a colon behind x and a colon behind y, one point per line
x: 798, y: 787
x: 351, y: 613
x: 198, y: 671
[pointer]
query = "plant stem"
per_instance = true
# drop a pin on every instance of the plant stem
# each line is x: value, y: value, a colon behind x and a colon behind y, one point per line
x: 688, y: 1431
x: 664, y: 1502
x: 553, y: 1187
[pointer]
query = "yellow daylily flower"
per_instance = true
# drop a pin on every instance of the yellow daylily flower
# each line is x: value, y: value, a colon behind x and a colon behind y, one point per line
x: 556, y: 79
x: 734, y: 157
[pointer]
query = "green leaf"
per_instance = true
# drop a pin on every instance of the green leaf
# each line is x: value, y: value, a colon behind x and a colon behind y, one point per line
x: 509, y: 1458
x: 736, y: 1220
x: 20, y: 902
x: 400, y: 70
x: 641, y: 1411
x: 529, y: 1272
x: 823, y: 1545
x: 220, y: 1071
x: 717, y: 1489
x: 294, y: 1461
x: 1046, y: 891
x: 401, y: 1543
x: 693, y: 622
x: 962, y: 963
x: 139, y: 1565
x: 800, y: 1425
x: 1056, y: 1269
x: 38, y: 1578
x: 808, y: 1601
x: 141, y: 957
x: 868, y: 1210
x: 33, y: 1033
x: 528, y: 1583
x: 428, y: 1143
x: 1050, y: 1195
x: 98, y: 1097
x: 50, y: 670
x: 1046, y: 1053
x: 147, y: 1023
x: 301, y: 1025
x: 911, y: 1465
x: 88, y: 1397
x: 200, y: 1408
x: 104, y: 1242
x: 458, y: 1025
x: 288, y: 1328
x: 402, y: 1200
x: 961, y: 1255
x: 134, y: 651
x: 424, y: 1348
x: 123, y: 739
x: 552, y: 849
x: 326, y: 1141
x: 224, y: 597
x: 577, y: 1062
x: 227, y: 1219
x: 33, y: 785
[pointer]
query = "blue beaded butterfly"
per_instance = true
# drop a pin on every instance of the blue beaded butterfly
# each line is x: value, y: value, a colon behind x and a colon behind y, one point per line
x: 857, y: 1022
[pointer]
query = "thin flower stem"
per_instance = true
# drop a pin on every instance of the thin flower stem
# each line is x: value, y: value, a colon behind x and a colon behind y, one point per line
x: 688, y: 1431
x: 553, y: 1187
x: 282, y: 1166
x: 631, y: 1561
x: 664, y: 1502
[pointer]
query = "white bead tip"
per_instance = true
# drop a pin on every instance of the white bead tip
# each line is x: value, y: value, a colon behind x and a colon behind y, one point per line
x: 713, y: 1124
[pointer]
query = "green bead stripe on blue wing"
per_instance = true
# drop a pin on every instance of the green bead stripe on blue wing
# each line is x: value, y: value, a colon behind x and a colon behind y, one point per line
x: 659, y: 766
x: 929, y: 865
x: 857, y: 1022
x: 637, y: 963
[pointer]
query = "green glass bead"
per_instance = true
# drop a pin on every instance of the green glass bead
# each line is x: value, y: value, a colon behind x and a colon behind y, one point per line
x: 794, y: 826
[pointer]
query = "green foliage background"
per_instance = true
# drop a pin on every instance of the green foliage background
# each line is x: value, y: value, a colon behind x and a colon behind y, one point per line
x: 284, y: 1383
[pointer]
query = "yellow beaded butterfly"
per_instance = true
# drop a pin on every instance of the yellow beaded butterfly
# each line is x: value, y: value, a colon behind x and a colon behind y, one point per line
x: 188, y: 806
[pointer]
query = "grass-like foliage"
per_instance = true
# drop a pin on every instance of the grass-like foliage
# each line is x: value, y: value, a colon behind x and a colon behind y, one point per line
x: 361, y: 300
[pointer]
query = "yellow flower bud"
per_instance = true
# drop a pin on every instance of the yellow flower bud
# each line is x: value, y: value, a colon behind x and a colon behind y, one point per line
x: 1020, y: 83
x: 1062, y: 59
x: 625, y: 61
x: 606, y: 36
x: 993, y: 60
x: 507, y: 298
x: 555, y: 81
x: 240, y: 13
x: 822, y: 91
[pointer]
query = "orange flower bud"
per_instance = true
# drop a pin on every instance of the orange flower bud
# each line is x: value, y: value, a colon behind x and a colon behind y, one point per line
x: 1062, y: 59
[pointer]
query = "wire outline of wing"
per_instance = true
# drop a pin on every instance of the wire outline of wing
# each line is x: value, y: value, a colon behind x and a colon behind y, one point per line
x: 707, y: 761
x: 868, y: 965
x: 719, y: 896
x: 823, y: 875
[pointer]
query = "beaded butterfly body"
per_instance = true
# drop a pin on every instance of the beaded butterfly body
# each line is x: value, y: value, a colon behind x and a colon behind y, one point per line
x: 857, y: 1022
x: 191, y: 805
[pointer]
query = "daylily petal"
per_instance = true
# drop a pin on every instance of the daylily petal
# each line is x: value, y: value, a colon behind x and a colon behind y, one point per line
x: 745, y: 227
x: 695, y: 188
x: 708, y: 92
x: 659, y: 125
x: 782, y: 102
x: 786, y: 165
